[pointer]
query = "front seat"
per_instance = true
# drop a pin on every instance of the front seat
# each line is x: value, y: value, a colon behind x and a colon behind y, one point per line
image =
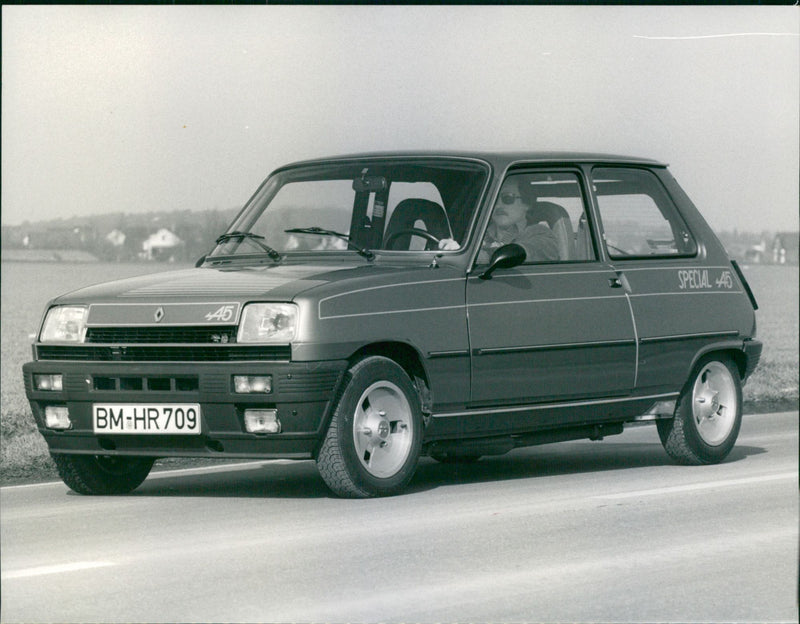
x: 408, y: 214
x: 558, y: 219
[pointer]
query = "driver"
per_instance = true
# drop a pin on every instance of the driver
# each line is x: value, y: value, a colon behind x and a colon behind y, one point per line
x: 509, y: 225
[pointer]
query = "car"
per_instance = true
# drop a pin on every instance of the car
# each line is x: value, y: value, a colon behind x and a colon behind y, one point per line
x: 366, y: 310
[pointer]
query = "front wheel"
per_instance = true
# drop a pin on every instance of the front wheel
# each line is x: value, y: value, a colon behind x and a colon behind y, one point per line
x: 708, y: 415
x: 102, y: 474
x: 374, y: 439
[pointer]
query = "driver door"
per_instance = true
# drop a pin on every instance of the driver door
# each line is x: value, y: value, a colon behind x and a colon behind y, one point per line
x: 551, y: 331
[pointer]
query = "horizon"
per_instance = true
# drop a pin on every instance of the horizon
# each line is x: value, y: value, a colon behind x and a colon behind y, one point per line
x: 132, y: 108
x: 158, y: 215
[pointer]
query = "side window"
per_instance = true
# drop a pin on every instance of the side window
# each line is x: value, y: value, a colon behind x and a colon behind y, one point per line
x: 639, y: 218
x: 543, y: 212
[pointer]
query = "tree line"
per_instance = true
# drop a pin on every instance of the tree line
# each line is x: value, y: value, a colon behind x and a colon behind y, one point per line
x: 120, y: 236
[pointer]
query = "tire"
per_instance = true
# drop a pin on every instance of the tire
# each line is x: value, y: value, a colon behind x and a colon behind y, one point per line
x: 374, y: 439
x: 102, y: 474
x: 708, y: 414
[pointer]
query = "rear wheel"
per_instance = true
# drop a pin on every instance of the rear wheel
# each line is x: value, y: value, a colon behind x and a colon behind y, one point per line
x: 102, y: 474
x: 708, y: 414
x: 374, y: 439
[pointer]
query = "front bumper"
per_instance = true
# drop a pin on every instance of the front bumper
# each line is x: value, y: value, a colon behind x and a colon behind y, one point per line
x: 301, y: 393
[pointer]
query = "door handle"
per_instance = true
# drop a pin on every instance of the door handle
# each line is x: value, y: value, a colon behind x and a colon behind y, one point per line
x: 619, y: 281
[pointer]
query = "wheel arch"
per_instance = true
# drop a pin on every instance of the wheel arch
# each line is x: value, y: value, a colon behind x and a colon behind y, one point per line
x: 405, y: 356
x: 733, y: 351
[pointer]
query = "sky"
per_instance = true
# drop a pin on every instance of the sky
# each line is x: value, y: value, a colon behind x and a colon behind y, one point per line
x: 150, y: 108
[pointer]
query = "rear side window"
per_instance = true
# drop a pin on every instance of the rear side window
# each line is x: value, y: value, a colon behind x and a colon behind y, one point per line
x: 639, y: 218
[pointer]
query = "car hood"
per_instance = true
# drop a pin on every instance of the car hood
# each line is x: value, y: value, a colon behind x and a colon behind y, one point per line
x: 281, y: 282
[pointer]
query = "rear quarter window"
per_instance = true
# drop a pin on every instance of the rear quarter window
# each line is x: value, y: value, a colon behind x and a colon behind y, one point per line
x: 639, y: 218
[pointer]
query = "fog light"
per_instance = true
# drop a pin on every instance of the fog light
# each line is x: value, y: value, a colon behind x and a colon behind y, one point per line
x: 262, y: 421
x: 57, y: 417
x: 49, y: 382
x: 248, y: 384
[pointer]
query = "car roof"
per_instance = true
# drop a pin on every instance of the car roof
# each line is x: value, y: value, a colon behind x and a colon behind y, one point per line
x: 500, y: 159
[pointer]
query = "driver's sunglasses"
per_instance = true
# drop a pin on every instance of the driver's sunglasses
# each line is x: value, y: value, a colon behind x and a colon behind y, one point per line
x: 508, y: 198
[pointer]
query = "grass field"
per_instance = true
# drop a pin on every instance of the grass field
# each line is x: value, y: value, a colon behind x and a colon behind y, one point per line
x: 774, y: 385
x: 26, y: 288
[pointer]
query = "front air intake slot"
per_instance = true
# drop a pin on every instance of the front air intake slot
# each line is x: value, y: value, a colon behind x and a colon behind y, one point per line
x: 146, y: 384
x: 185, y: 335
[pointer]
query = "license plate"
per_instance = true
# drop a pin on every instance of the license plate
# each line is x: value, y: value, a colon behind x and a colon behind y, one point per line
x: 141, y: 418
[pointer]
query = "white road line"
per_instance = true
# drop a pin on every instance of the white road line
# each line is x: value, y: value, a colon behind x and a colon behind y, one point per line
x: 55, y: 569
x: 30, y: 485
x: 161, y: 474
x: 250, y: 465
x: 708, y: 485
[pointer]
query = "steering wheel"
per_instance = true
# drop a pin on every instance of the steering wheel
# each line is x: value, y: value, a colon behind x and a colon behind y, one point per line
x: 415, y: 231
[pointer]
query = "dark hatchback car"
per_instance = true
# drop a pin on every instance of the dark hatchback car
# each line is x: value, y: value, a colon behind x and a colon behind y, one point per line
x: 365, y: 310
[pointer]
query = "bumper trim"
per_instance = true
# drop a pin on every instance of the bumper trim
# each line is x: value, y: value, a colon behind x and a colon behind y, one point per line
x: 752, y: 351
x: 210, y: 447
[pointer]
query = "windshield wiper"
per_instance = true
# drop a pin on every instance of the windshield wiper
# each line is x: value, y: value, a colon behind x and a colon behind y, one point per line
x: 323, y: 232
x: 253, y: 237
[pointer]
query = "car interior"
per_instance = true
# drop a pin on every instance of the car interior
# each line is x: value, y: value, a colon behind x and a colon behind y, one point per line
x: 412, y: 217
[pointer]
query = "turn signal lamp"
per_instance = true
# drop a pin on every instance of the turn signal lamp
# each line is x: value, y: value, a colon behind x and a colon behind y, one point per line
x: 49, y: 382
x: 252, y: 384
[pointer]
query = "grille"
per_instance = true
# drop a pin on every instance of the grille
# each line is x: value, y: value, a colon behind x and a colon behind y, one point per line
x: 150, y: 353
x: 133, y: 335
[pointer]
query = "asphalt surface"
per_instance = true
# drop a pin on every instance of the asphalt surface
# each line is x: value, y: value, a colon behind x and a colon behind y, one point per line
x: 580, y: 531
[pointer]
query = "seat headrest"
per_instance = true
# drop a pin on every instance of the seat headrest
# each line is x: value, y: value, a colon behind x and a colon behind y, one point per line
x: 546, y: 211
x: 413, y: 209
x: 557, y: 219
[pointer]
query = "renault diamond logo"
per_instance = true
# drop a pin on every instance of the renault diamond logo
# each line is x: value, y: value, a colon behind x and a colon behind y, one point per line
x: 159, y: 314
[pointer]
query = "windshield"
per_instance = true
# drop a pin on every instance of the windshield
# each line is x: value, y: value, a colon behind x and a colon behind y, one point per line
x: 398, y: 205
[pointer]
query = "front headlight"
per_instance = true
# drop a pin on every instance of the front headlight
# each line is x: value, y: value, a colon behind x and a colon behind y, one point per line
x: 268, y: 322
x: 64, y: 324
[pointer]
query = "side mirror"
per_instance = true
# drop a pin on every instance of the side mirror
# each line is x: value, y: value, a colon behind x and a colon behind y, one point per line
x: 200, y: 261
x: 505, y: 257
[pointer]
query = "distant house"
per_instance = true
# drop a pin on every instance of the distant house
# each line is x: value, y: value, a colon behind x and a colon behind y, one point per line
x: 116, y: 238
x: 785, y: 248
x: 163, y: 245
x: 756, y: 254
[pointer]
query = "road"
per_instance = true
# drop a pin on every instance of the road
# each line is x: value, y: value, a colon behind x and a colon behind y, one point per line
x: 579, y: 531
